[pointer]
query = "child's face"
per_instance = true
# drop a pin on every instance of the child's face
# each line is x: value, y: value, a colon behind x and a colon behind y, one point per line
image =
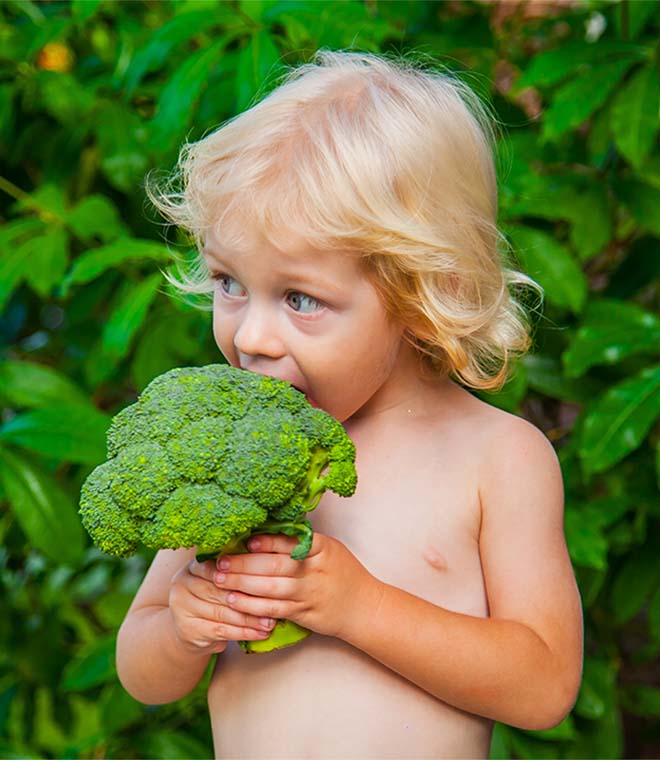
x: 310, y: 317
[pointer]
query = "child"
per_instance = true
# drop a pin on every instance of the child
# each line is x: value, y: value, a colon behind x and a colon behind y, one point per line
x: 347, y: 224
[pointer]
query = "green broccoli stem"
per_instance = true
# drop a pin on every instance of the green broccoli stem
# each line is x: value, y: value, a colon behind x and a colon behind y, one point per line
x: 313, y: 485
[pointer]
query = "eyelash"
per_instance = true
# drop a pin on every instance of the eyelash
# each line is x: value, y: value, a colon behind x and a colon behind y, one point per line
x: 221, y: 276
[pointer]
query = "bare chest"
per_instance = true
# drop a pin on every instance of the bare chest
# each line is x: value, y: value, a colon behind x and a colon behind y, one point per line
x: 414, y: 519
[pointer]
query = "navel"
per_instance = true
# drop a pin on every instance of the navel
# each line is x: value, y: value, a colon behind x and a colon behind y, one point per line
x: 435, y: 559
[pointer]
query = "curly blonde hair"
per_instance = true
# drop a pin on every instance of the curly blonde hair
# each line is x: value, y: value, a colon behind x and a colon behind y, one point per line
x: 383, y: 157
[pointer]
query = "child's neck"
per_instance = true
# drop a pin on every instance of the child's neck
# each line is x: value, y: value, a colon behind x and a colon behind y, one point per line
x: 408, y: 392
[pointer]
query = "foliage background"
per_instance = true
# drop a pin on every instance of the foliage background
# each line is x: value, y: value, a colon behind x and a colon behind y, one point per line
x: 93, y: 94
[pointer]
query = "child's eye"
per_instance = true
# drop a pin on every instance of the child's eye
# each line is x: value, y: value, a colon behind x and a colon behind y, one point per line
x: 303, y: 304
x: 229, y: 285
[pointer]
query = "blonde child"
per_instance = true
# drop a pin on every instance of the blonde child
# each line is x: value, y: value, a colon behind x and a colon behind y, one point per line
x: 347, y: 230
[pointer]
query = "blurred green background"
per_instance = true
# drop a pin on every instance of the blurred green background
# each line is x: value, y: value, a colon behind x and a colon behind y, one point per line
x: 95, y: 93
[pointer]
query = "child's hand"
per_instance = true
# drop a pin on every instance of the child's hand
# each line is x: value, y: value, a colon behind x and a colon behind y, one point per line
x: 203, y: 621
x: 322, y: 592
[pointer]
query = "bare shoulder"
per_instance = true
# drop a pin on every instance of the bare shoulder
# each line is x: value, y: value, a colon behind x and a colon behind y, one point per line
x: 510, y: 450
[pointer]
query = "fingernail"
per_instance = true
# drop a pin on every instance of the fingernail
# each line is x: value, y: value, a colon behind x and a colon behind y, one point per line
x: 223, y: 563
x: 267, y: 622
x: 231, y: 598
x: 254, y: 543
x: 220, y: 577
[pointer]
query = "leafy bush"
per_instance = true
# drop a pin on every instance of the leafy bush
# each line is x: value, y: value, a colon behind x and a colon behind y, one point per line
x: 95, y: 93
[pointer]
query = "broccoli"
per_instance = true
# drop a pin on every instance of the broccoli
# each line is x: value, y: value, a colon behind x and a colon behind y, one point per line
x: 209, y: 456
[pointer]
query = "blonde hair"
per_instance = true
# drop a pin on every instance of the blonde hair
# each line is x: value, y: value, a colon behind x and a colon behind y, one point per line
x: 385, y: 158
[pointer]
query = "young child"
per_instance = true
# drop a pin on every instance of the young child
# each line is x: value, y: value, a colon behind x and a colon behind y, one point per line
x: 347, y: 225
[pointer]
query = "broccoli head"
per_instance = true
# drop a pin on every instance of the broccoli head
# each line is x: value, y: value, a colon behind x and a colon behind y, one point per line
x: 209, y: 456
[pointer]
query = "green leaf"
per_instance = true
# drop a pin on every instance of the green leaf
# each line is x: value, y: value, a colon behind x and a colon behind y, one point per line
x: 13, y: 267
x: 564, y: 731
x: 586, y: 543
x: 47, y: 256
x: 610, y: 332
x: 172, y: 33
x: 597, y: 695
x: 68, y: 433
x: 123, y: 141
x: 172, y: 745
x: 585, y: 205
x: 257, y: 69
x: 127, y: 315
x: 500, y: 745
x: 643, y: 202
x: 118, y: 709
x: 511, y: 393
x: 617, y: 423
x: 571, y: 58
x: 34, y: 385
x: 94, y: 666
x: 635, y: 114
x: 634, y: 583
x: 84, y: 9
x: 575, y: 101
x: 96, y: 216
x: 93, y: 263
x: 545, y: 375
x: 551, y: 265
x: 178, y: 99
x: 46, y: 513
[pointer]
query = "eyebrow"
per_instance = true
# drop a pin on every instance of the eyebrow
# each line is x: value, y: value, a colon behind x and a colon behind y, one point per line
x: 299, y: 278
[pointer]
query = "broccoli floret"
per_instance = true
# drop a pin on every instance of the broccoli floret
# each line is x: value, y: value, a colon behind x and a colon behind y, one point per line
x: 207, y: 457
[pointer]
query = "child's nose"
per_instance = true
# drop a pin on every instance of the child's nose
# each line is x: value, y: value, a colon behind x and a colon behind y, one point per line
x: 257, y: 334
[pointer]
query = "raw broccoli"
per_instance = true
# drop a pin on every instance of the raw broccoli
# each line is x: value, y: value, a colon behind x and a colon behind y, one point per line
x: 209, y: 456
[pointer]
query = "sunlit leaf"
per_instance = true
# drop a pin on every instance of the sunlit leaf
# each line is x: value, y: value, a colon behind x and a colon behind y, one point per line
x: 575, y: 101
x: 98, y: 260
x: 635, y: 114
x: 617, y: 423
x: 128, y: 314
x: 610, y: 332
x: 257, y: 68
x: 97, y: 216
x: 176, y: 105
x: 48, y: 257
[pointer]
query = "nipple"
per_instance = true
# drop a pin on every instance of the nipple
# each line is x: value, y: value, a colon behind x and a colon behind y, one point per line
x: 435, y: 559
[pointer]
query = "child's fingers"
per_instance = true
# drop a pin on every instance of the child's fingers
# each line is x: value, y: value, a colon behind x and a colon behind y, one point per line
x: 258, y: 564
x: 259, y: 585
x: 276, y: 542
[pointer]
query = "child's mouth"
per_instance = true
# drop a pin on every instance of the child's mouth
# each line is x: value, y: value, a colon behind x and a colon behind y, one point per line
x: 310, y: 400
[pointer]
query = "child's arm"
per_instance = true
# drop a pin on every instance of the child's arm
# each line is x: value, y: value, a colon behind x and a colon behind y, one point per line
x: 520, y: 666
x: 177, y: 620
x: 523, y: 664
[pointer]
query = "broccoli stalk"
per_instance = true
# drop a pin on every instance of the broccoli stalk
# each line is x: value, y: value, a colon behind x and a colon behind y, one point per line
x: 209, y: 456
